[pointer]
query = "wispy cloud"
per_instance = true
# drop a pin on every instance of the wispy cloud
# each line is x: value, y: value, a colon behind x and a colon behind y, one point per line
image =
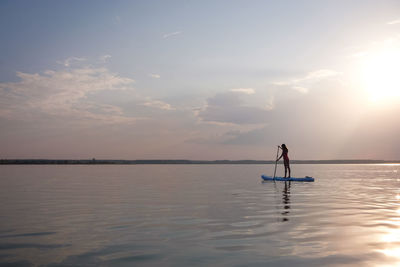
x: 301, y: 89
x: 104, y: 58
x: 167, y: 35
x: 397, y: 21
x: 154, y: 75
x: 303, y: 84
x: 69, y: 61
x: 64, y: 95
x: 247, y: 91
x: 388, y: 44
x: 319, y: 74
x: 158, y: 104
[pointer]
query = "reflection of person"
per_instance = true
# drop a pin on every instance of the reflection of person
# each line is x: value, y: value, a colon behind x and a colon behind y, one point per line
x: 285, y: 156
x: 286, y: 201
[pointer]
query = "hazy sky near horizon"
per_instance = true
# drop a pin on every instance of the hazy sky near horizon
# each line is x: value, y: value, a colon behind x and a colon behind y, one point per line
x: 200, y: 79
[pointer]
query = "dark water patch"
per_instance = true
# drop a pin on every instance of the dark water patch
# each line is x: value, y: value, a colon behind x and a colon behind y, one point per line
x: 233, y: 248
x: 245, y: 236
x: 331, y: 260
x: 4, y: 256
x: 22, y: 263
x: 118, y: 227
x: 7, y: 246
x: 136, y: 258
x: 99, y: 257
x: 7, y: 231
x: 28, y: 234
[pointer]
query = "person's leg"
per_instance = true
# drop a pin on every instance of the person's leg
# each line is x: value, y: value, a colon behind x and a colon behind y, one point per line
x: 287, y: 167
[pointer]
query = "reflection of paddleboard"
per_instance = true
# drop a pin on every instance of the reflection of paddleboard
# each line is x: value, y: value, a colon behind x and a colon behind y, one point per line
x: 304, y: 179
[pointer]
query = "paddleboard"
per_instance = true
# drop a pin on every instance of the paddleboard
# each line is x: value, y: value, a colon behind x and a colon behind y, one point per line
x: 294, y: 179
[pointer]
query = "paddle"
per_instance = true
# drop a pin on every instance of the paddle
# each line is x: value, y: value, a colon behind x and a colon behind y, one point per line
x: 276, y: 160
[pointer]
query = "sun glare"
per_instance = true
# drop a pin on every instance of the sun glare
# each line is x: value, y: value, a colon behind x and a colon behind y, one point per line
x: 381, y: 75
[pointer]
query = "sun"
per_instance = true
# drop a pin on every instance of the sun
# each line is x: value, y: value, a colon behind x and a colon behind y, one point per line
x: 380, y: 74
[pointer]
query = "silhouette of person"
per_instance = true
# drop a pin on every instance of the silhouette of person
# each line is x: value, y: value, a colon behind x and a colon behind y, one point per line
x: 285, y: 156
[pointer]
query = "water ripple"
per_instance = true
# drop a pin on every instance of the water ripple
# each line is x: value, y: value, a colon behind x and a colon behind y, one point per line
x: 198, y: 215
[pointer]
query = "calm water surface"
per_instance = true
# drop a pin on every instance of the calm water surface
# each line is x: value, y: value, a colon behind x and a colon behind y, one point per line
x: 203, y: 215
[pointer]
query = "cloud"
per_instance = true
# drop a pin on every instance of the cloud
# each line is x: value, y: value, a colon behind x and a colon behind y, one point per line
x: 63, y: 94
x: 248, y: 91
x: 301, y: 89
x: 303, y: 84
x: 104, y: 58
x: 397, y: 21
x: 391, y: 43
x: 241, y: 136
x: 155, y: 76
x: 71, y: 60
x: 167, y: 35
x: 256, y: 136
x: 230, y: 107
x: 158, y: 104
x: 291, y: 118
x: 319, y: 74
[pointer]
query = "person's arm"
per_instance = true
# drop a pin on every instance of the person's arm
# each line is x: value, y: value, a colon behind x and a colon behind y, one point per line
x: 281, y: 154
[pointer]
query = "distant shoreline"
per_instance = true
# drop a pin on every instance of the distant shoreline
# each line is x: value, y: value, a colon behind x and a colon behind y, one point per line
x: 166, y: 161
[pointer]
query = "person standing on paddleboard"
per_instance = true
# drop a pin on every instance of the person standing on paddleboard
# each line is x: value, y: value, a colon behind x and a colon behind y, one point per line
x: 285, y: 156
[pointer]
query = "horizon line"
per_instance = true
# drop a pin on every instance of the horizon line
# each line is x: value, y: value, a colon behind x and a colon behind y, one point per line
x: 187, y: 161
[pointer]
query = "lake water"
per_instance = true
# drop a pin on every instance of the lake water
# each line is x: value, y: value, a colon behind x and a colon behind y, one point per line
x: 198, y: 215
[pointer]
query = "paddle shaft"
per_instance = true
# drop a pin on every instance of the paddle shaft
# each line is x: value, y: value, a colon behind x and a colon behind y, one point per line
x: 276, y: 161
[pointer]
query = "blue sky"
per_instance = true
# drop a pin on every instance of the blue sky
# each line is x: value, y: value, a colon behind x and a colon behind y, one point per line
x: 199, y: 79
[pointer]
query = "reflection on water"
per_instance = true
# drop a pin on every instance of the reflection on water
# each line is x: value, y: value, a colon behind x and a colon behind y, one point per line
x: 286, y: 201
x: 156, y: 215
x: 390, y: 237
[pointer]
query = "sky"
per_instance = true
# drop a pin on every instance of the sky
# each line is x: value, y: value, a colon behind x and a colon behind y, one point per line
x: 203, y: 80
